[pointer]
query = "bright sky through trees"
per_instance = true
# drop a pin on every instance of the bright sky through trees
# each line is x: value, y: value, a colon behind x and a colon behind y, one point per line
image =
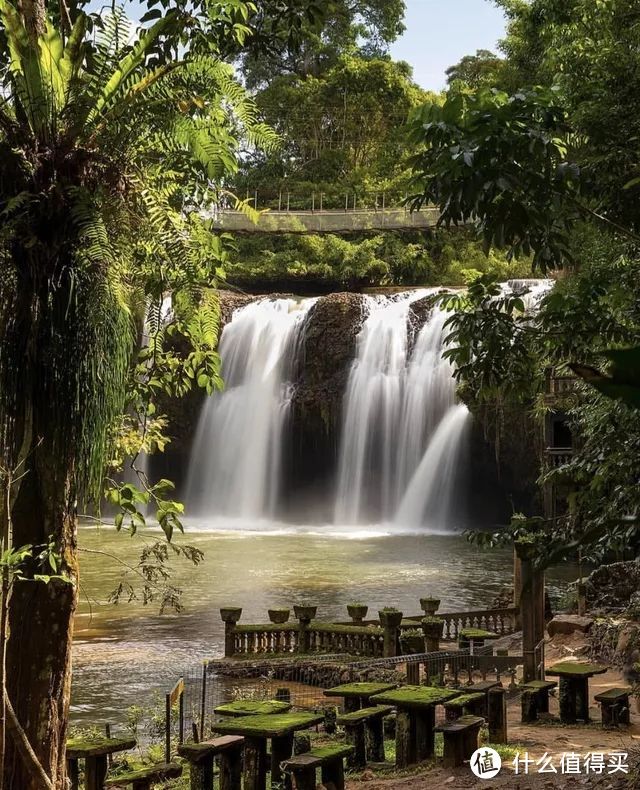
x: 440, y: 32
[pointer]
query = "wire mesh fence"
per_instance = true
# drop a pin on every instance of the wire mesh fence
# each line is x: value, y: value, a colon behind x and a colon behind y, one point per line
x: 302, y: 682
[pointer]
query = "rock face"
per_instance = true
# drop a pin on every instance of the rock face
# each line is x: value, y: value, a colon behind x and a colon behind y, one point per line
x: 569, y: 624
x: 328, y: 350
x: 612, y: 587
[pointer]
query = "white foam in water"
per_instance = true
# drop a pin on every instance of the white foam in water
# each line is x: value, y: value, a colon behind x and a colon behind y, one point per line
x: 236, y: 458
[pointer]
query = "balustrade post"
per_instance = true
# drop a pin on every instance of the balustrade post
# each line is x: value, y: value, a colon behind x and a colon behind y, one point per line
x: 429, y: 605
x: 230, y: 616
x: 304, y: 615
x: 390, y: 620
x: 432, y: 628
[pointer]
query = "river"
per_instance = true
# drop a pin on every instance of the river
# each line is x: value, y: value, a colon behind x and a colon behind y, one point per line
x: 125, y: 653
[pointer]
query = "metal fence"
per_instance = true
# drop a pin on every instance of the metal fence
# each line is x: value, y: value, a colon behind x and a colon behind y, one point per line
x: 302, y: 681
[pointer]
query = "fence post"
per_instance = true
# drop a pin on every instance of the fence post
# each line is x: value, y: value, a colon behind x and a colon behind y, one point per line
x: 203, y: 699
x: 167, y: 728
x: 313, y: 202
x: 497, y: 715
x: 288, y: 200
x: 230, y: 616
x: 280, y: 200
x: 346, y: 203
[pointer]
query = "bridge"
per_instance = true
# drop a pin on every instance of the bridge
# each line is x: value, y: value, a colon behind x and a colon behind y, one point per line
x: 326, y: 220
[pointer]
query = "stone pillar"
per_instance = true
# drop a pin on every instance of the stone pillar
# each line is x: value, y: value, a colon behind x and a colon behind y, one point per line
x: 432, y: 628
x: 429, y: 605
x: 390, y: 620
x: 357, y: 612
x: 230, y: 616
x: 531, y: 611
x: 497, y: 715
x: 305, y: 615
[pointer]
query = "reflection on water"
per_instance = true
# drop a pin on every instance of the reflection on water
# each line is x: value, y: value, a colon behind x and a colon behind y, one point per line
x: 126, y: 652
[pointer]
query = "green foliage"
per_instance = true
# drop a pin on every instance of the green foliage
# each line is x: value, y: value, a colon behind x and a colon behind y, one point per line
x: 342, y: 131
x: 501, y: 162
x: 488, y: 341
x: 408, y: 258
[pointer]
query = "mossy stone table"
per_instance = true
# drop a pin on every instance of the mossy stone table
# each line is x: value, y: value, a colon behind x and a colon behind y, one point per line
x: 257, y: 730
x: 475, y: 636
x: 250, y: 707
x: 357, y: 695
x: 574, y: 688
x: 94, y: 752
x: 415, y: 722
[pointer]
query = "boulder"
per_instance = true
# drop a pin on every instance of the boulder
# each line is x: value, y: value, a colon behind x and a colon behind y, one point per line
x: 612, y: 587
x: 569, y: 624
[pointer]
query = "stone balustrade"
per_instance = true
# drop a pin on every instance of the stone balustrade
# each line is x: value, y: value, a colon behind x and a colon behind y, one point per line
x: 372, y: 638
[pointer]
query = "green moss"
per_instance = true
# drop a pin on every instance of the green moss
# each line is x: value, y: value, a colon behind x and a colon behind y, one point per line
x: 95, y: 746
x: 477, y: 633
x: 268, y: 726
x: 415, y: 696
x: 362, y: 689
x: 332, y: 628
x: 576, y: 669
x: 252, y: 707
x: 161, y: 771
x: 465, y: 699
x: 332, y: 751
x: 364, y: 713
x: 265, y: 628
x: 539, y: 685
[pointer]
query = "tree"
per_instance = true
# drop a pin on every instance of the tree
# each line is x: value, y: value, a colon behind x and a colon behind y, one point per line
x: 342, y: 131
x: 482, y: 70
x: 107, y: 150
x: 325, y: 32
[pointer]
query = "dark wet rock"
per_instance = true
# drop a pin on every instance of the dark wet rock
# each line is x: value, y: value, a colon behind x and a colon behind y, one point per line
x: 328, y: 350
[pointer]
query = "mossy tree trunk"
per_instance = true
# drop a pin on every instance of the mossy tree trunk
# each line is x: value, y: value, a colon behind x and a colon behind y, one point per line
x: 41, y: 620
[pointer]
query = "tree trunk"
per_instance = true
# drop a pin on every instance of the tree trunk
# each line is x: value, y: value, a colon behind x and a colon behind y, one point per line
x: 41, y: 624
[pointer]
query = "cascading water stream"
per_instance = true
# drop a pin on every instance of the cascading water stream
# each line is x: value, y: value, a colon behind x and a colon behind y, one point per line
x: 396, y: 406
x: 236, y: 458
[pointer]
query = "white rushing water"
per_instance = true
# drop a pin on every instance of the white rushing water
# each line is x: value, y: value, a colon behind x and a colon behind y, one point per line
x: 236, y: 458
x: 403, y: 434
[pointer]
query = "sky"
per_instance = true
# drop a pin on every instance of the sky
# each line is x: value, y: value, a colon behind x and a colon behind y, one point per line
x: 440, y: 32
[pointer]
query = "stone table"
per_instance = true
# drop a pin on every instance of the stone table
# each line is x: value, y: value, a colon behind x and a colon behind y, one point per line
x: 357, y: 695
x: 248, y: 707
x: 574, y: 688
x: 415, y: 722
x: 257, y: 730
x: 94, y: 752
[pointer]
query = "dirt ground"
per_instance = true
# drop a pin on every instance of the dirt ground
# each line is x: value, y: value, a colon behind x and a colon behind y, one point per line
x: 546, y: 736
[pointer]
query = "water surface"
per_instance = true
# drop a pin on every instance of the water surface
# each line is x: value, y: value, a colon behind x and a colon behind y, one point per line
x: 124, y: 653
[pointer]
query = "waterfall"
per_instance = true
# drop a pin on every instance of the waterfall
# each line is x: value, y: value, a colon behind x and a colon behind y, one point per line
x: 431, y: 498
x: 236, y: 458
x: 397, y: 404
